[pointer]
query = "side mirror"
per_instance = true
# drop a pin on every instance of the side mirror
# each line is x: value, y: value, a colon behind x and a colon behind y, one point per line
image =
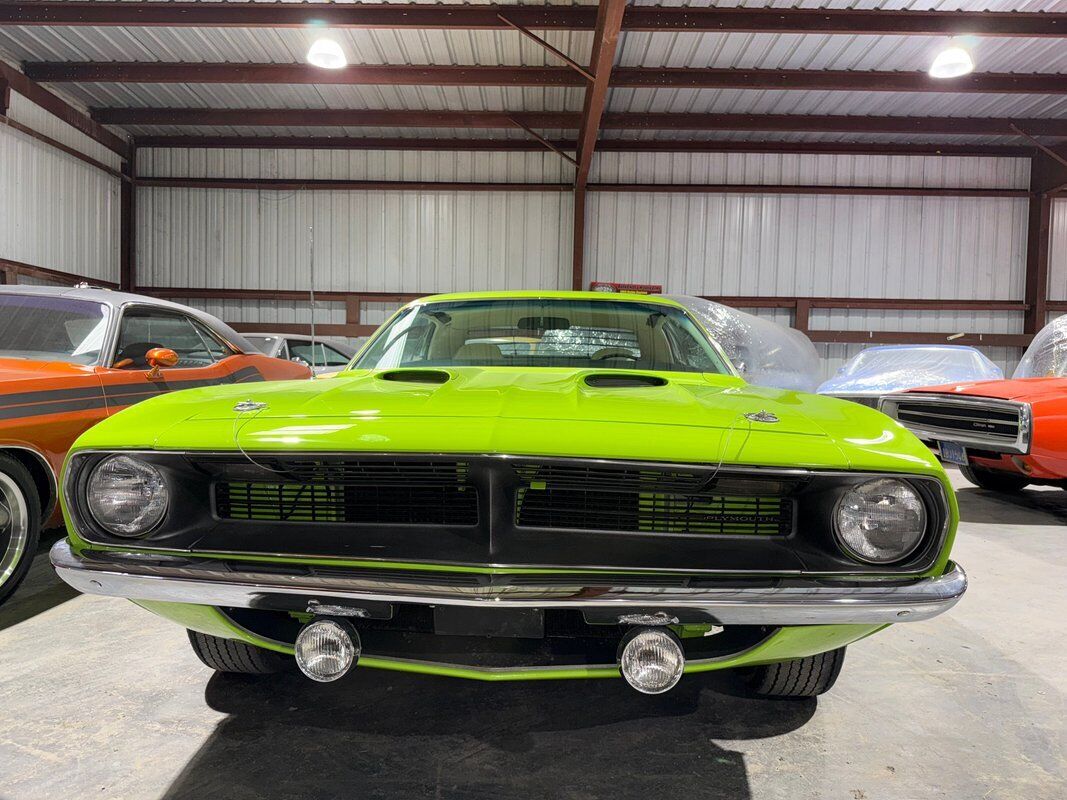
x: 159, y: 357
x: 302, y: 362
x: 741, y: 367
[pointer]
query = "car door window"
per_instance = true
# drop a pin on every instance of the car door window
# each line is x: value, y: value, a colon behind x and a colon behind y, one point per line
x: 333, y: 358
x: 214, y: 345
x: 304, y: 351
x: 144, y: 329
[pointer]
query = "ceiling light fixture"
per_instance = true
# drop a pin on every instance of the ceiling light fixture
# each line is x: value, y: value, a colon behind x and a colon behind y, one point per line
x: 326, y: 53
x: 952, y: 62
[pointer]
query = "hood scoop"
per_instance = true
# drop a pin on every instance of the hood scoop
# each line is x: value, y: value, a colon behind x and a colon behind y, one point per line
x: 614, y: 380
x: 430, y: 376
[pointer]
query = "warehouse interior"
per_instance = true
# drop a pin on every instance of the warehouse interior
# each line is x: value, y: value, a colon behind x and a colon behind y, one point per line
x: 789, y: 158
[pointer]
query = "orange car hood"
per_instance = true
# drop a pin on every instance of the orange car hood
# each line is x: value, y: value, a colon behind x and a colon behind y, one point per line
x: 1025, y: 389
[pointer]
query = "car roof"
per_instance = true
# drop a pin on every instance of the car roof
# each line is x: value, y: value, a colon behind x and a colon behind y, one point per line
x: 116, y: 299
x: 549, y: 295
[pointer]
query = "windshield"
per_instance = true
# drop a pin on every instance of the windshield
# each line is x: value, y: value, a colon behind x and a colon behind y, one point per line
x: 543, y: 333
x: 264, y: 344
x: 49, y: 328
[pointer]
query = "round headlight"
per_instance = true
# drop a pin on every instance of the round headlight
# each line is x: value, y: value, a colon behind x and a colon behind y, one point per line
x: 127, y: 496
x: 880, y: 521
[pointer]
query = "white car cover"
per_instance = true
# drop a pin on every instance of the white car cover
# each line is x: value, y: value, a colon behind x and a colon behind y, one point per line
x: 764, y: 352
x: 1046, y: 357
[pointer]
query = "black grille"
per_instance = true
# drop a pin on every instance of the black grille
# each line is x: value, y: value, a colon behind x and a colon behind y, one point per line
x: 379, y: 492
x: 651, y: 501
x: 983, y: 421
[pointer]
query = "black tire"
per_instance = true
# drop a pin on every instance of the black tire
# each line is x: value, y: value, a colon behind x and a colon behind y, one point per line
x: 802, y: 677
x: 230, y: 655
x: 994, y: 481
x: 16, y: 554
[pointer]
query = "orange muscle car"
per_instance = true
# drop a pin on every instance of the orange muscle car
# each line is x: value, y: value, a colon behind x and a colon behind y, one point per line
x: 69, y: 358
x: 1006, y: 434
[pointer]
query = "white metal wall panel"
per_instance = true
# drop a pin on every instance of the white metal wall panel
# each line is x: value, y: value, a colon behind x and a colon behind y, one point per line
x: 373, y: 165
x: 36, y: 118
x: 370, y: 241
x: 846, y: 246
x: 1057, y: 266
x: 812, y: 169
x: 55, y: 211
x: 948, y: 322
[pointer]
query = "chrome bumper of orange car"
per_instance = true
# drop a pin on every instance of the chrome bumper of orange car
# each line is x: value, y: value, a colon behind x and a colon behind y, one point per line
x: 764, y: 601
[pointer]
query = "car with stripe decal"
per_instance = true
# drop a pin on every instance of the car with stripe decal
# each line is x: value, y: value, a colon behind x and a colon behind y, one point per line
x: 70, y: 357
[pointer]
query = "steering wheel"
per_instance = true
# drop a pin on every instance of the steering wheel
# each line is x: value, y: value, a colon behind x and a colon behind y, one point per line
x: 604, y: 353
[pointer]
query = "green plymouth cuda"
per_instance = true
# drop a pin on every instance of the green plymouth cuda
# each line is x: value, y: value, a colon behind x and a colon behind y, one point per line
x: 515, y: 486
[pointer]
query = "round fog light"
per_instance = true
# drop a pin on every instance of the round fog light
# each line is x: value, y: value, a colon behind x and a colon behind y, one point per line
x: 652, y: 660
x: 326, y: 649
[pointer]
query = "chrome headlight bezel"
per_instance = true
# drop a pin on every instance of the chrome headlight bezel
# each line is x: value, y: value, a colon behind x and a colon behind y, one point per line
x: 921, y: 534
x: 155, y: 488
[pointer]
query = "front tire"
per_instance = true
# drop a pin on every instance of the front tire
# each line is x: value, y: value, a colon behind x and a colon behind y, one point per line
x: 20, y: 524
x: 992, y: 480
x: 801, y: 677
x: 230, y: 655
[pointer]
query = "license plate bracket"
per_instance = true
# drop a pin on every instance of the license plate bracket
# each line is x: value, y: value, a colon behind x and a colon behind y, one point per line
x: 514, y: 623
x: 953, y: 452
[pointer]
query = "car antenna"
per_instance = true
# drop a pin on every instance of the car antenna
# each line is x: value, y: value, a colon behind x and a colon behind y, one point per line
x: 311, y: 234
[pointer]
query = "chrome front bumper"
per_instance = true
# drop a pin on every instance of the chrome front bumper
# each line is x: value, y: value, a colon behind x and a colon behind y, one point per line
x: 794, y: 601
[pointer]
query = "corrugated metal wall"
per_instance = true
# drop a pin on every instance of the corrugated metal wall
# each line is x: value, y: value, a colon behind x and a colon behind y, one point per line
x: 57, y: 212
x: 909, y: 247
x: 400, y: 241
x: 1057, y: 287
x: 819, y: 245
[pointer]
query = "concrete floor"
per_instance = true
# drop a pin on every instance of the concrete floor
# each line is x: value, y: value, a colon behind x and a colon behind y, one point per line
x: 101, y: 699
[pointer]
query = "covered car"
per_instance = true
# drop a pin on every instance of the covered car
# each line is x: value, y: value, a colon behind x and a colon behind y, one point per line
x: 764, y: 352
x: 877, y: 371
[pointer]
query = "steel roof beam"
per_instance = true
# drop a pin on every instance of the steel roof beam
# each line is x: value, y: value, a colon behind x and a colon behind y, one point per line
x: 485, y: 17
x: 631, y: 77
x: 814, y: 123
x: 617, y: 145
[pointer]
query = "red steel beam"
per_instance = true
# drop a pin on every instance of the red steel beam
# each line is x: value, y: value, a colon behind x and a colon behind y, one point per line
x: 821, y: 123
x: 814, y: 123
x: 296, y: 184
x: 631, y: 77
x: 605, y: 42
x: 35, y: 93
x: 732, y: 188
x: 442, y: 16
x: 401, y: 75
x: 13, y: 268
x: 737, y: 301
x: 290, y: 184
x: 920, y: 337
x: 626, y: 145
x: 891, y: 304
x: 1048, y: 173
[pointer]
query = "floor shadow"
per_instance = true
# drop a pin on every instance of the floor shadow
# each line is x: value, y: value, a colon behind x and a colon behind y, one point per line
x: 40, y: 591
x: 381, y: 734
x: 1045, y: 506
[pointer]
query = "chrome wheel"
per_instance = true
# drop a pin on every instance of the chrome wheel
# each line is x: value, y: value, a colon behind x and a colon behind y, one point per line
x: 14, y: 527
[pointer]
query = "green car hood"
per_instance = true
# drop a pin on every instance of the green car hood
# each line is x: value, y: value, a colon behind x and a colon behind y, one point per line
x: 691, y: 417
